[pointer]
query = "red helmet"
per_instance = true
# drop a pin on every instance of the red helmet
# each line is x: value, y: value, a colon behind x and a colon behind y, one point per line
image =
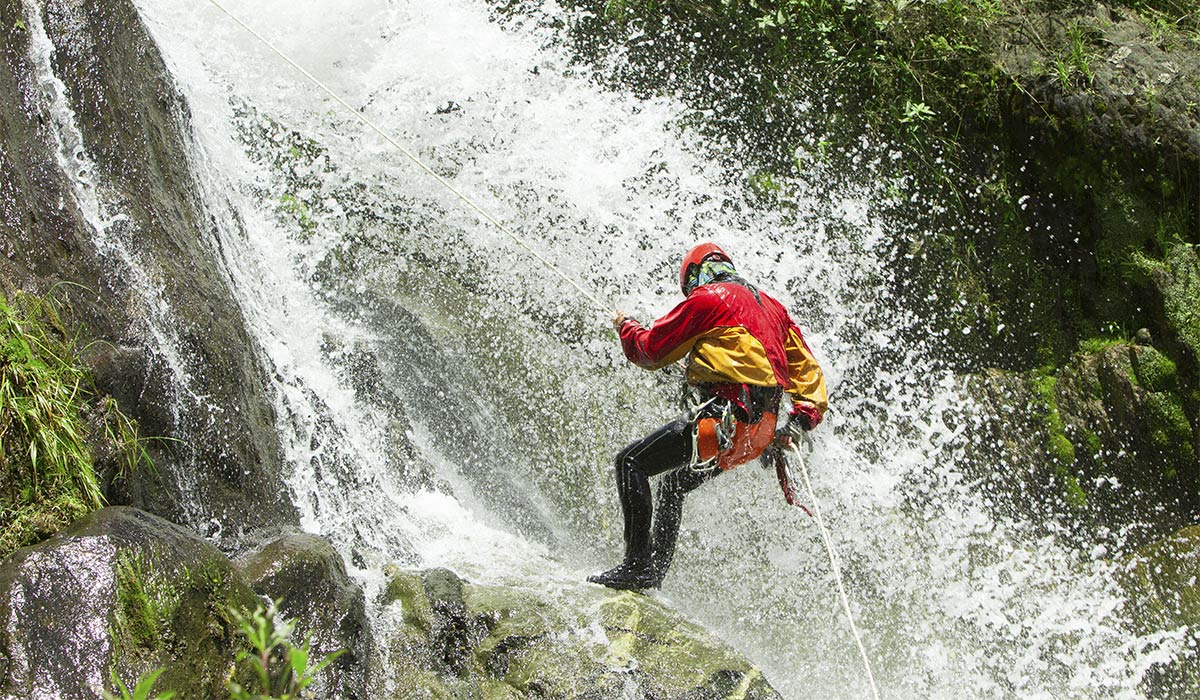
x: 695, y: 256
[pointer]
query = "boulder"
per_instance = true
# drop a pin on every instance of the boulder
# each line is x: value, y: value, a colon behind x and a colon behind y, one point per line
x: 448, y: 637
x: 125, y: 590
x: 1163, y: 585
x: 1106, y: 435
x: 308, y: 579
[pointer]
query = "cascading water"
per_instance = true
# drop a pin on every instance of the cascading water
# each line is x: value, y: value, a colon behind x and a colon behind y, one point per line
x: 444, y: 400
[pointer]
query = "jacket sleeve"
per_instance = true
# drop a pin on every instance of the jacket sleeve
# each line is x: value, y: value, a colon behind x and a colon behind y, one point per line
x: 671, y: 337
x: 806, y: 381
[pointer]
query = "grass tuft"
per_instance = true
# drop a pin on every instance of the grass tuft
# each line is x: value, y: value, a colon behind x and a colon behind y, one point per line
x: 50, y: 418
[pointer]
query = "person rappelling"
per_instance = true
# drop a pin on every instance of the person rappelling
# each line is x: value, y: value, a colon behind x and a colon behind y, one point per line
x: 744, y: 353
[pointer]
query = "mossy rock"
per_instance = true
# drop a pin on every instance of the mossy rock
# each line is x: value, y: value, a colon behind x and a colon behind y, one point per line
x: 581, y: 641
x: 1162, y: 582
x: 308, y: 578
x: 120, y: 589
x: 1096, y: 442
x: 1154, y: 370
x: 1176, y: 278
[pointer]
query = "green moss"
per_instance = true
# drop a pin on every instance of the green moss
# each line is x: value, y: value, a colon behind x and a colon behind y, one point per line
x: 292, y: 207
x: 429, y: 685
x: 1072, y: 491
x: 1061, y: 449
x: 1045, y: 384
x: 1097, y: 345
x: 1177, y: 279
x: 1154, y: 370
x: 496, y: 690
x: 147, y: 601
x: 134, y: 611
x: 1171, y: 432
x: 408, y: 588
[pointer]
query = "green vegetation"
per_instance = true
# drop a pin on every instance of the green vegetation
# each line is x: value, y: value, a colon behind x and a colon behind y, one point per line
x: 1076, y: 62
x: 1058, y: 445
x: 141, y: 691
x: 295, y: 209
x: 1153, y: 370
x: 281, y: 667
x: 1097, y: 345
x: 52, y: 422
x: 909, y: 62
x: 146, y: 602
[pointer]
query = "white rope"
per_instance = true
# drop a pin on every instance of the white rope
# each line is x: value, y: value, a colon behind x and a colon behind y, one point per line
x: 419, y: 163
x: 837, y: 569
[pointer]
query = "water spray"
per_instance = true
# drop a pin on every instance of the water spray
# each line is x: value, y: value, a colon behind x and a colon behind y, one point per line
x: 584, y: 292
x: 596, y: 301
x: 835, y: 563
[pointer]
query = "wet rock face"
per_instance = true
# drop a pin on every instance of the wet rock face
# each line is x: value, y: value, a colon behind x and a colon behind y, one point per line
x: 306, y: 576
x: 450, y: 638
x: 120, y: 589
x: 121, y: 128
x: 1163, y: 583
x: 1105, y: 437
x: 1131, y: 436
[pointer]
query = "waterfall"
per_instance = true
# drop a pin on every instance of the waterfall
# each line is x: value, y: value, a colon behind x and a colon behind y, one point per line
x: 445, y: 401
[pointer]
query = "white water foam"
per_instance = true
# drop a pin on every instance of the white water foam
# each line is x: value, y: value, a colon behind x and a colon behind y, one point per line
x: 954, y: 601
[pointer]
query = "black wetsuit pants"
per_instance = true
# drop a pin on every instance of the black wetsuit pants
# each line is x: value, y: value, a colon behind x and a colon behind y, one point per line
x: 667, y: 450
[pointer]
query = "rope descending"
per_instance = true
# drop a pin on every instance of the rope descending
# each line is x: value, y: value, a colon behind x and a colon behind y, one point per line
x: 601, y: 306
x: 835, y: 563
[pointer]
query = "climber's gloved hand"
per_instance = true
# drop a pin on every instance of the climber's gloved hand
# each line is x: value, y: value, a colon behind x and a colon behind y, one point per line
x: 803, y: 417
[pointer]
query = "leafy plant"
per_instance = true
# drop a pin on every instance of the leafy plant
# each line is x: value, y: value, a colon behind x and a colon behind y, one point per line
x: 281, y: 667
x: 1079, y: 54
x: 51, y: 423
x: 1077, y: 60
x: 916, y: 112
x: 141, y: 691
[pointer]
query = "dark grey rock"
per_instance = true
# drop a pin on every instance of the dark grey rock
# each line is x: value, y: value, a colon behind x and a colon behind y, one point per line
x: 134, y: 126
x: 308, y: 578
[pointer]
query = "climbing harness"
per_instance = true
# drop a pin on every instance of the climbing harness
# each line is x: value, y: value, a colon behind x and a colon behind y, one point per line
x: 834, y: 563
x: 603, y: 307
x: 698, y: 464
x: 727, y: 433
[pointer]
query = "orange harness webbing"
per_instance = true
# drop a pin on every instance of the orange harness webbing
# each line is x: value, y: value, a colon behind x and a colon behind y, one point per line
x: 749, y: 440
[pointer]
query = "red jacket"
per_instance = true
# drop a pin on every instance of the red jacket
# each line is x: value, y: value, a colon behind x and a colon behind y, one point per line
x: 733, y: 339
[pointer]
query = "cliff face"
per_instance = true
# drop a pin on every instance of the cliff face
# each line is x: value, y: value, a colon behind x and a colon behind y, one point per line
x: 98, y: 207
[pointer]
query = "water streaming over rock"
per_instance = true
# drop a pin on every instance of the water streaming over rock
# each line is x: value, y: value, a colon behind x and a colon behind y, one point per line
x: 444, y: 400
